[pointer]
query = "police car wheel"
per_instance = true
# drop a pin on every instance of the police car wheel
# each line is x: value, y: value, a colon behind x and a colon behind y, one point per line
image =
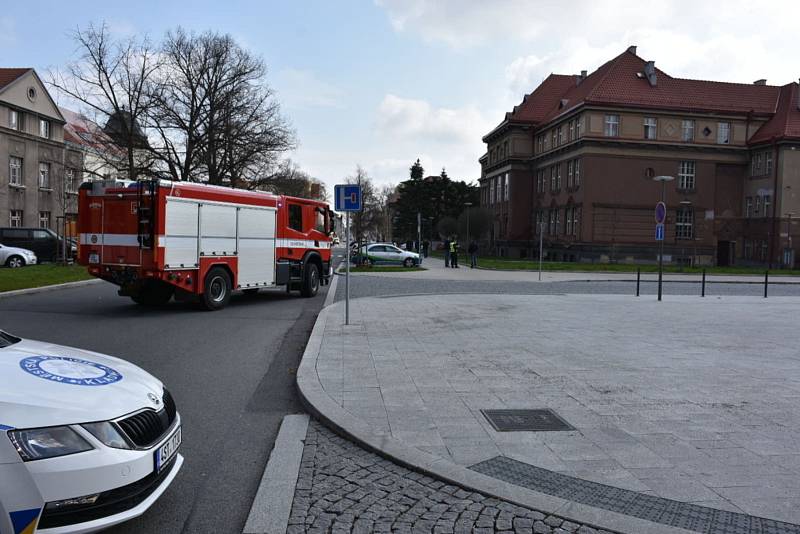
x: 310, y: 280
x: 15, y: 261
x: 217, y: 289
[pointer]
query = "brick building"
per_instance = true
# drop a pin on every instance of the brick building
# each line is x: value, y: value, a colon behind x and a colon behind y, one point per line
x: 576, y: 158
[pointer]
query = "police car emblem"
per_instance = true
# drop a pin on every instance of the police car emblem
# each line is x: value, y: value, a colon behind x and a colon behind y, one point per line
x: 68, y: 370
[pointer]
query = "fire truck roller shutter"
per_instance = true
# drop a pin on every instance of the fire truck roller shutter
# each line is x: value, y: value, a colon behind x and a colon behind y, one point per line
x: 256, y: 247
x: 217, y: 230
x: 180, y: 239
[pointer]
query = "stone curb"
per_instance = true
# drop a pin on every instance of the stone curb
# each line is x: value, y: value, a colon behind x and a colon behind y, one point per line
x: 272, y: 505
x: 757, y: 278
x: 319, y: 403
x: 42, y: 289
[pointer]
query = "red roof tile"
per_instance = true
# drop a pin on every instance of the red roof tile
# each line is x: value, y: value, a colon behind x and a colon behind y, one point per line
x: 786, y: 121
x: 9, y: 75
x: 536, y: 105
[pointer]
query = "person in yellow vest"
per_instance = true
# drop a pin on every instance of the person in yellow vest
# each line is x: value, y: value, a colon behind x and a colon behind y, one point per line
x: 454, y: 253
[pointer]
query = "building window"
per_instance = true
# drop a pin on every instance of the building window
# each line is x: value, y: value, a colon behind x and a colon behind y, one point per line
x: 577, y: 173
x: 69, y: 180
x: 570, y: 173
x: 755, y: 164
x: 491, y: 190
x: 650, y: 127
x: 723, y: 133
x: 577, y: 127
x: 506, y: 187
x: 15, y: 218
x: 686, y: 173
x: 44, y: 175
x: 44, y: 219
x: 571, y: 130
x: 13, y: 119
x: 767, y: 204
x: 555, y: 138
x: 15, y: 170
x: 748, y: 207
x: 612, y: 126
x: 561, y: 135
x: 687, y: 130
x: 684, y: 221
x: 764, y: 250
x: 748, y: 249
x: 554, y: 221
x: 558, y: 177
x: 768, y: 162
x: 757, y: 208
x: 44, y: 128
x: 553, y: 178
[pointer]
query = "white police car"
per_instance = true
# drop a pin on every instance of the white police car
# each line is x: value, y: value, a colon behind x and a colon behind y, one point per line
x: 87, y: 441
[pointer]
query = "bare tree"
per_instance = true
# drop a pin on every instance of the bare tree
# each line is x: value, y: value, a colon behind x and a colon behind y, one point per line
x: 288, y: 179
x: 367, y: 223
x: 113, y: 81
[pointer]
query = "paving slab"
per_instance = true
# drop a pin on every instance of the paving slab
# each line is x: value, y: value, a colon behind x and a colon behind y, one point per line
x: 687, y: 399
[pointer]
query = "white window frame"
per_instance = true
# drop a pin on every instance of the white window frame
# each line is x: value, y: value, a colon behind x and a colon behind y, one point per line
x: 768, y: 162
x: 650, y: 128
x: 767, y: 203
x: 571, y: 130
x: 561, y: 135
x: 558, y: 177
x: 570, y: 173
x: 748, y: 207
x: 687, y: 171
x: 578, y: 127
x: 44, y: 128
x: 757, y: 208
x: 687, y: 130
x: 44, y: 219
x: 506, y: 183
x: 552, y: 178
x: 611, y: 126
x: 577, y: 181
x: 69, y: 180
x: 15, y: 164
x: 13, y: 119
x: 44, y: 175
x: 555, y: 137
x: 723, y: 133
x: 568, y: 219
x: 684, y: 223
x: 15, y: 218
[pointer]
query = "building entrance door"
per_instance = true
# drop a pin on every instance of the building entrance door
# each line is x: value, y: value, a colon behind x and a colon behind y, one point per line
x: 726, y: 253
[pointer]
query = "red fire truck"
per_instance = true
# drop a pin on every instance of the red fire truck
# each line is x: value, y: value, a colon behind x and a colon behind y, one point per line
x: 156, y: 238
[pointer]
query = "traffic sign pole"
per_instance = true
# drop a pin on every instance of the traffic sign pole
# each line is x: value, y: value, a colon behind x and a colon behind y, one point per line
x: 347, y: 273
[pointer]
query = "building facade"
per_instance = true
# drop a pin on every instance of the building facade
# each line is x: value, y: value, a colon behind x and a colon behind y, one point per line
x: 574, y: 164
x: 39, y: 174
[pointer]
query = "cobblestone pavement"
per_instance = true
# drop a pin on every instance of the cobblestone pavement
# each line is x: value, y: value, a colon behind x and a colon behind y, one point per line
x: 342, y: 488
x: 372, y: 286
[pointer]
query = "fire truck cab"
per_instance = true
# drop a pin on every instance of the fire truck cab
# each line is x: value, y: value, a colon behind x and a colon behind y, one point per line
x: 157, y: 239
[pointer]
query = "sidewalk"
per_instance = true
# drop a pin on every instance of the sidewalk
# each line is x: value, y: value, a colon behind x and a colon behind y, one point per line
x: 688, y: 407
x: 435, y: 270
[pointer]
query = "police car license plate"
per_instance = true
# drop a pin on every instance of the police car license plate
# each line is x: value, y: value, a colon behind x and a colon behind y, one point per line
x: 167, y: 450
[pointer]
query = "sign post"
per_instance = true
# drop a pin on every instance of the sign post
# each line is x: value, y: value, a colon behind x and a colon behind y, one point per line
x: 661, y: 217
x: 348, y: 198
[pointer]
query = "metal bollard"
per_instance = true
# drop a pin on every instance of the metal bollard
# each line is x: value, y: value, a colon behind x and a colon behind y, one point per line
x: 766, y: 282
x: 703, y: 285
x: 638, y: 276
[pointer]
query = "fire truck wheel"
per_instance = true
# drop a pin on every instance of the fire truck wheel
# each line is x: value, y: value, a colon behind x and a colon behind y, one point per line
x: 154, y: 294
x: 310, y: 280
x: 217, y: 289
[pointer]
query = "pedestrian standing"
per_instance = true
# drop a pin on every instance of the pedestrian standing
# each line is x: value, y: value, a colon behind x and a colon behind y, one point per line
x: 454, y: 253
x: 447, y: 252
x: 426, y: 245
x: 473, y: 254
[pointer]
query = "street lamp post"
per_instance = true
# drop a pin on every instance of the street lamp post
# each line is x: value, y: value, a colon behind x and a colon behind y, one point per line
x: 663, y: 180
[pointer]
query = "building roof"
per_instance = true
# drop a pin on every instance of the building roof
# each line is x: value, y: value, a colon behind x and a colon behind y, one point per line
x: 622, y: 81
x: 785, y: 124
x: 7, y: 76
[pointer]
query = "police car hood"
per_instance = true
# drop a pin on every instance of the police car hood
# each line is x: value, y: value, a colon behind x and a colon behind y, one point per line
x: 42, y: 384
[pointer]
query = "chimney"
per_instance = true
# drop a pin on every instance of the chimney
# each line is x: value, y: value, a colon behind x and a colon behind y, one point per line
x: 580, y: 78
x: 632, y: 49
x: 583, y: 74
x: 650, y: 72
x: 762, y: 81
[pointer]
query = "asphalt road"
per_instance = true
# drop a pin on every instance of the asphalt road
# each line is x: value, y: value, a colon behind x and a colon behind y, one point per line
x: 232, y: 373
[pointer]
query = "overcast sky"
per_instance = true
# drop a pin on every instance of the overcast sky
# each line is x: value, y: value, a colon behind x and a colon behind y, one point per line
x: 382, y: 83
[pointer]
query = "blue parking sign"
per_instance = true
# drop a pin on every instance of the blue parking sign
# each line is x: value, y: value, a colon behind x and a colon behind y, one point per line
x: 347, y: 197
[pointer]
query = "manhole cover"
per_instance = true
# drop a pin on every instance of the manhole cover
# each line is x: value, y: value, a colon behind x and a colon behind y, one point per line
x: 525, y: 420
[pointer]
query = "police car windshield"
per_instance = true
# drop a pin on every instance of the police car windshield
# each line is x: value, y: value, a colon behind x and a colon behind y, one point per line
x: 7, y: 339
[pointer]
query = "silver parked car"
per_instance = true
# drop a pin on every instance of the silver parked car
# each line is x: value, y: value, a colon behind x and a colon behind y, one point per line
x: 16, y: 257
x: 386, y: 254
